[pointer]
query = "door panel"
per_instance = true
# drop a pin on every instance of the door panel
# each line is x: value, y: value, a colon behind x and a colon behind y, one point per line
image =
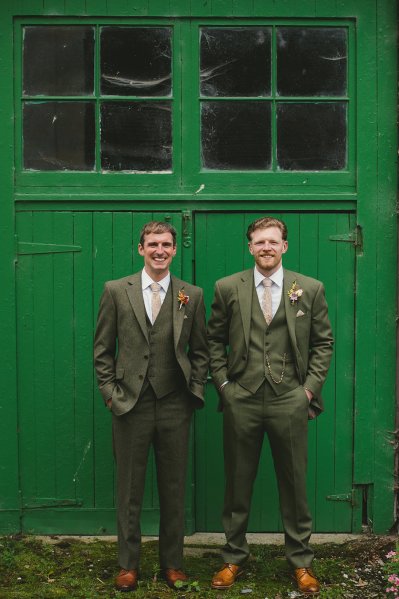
x: 65, y: 443
x: 221, y: 250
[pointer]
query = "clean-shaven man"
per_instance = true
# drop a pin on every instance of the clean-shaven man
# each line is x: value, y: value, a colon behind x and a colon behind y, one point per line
x: 151, y: 359
x: 270, y: 345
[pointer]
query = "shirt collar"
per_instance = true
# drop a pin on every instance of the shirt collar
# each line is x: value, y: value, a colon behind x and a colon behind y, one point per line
x: 146, y: 281
x: 277, y: 277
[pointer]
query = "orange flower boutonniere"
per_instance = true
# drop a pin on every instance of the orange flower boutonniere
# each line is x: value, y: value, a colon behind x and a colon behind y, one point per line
x: 182, y: 298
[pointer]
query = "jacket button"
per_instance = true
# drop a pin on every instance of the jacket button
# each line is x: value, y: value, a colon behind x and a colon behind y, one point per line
x: 145, y: 357
x: 140, y: 377
x: 244, y: 357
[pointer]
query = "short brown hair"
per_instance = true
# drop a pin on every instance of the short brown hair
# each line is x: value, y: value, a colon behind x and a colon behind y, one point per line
x: 157, y: 227
x: 264, y: 223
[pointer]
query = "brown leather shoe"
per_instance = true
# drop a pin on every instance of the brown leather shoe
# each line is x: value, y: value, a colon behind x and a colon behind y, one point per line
x: 306, y: 581
x: 226, y: 577
x: 126, y: 580
x: 172, y: 576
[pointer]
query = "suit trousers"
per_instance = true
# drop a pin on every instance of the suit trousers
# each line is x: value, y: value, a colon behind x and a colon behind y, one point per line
x: 165, y: 424
x: 246, y: 419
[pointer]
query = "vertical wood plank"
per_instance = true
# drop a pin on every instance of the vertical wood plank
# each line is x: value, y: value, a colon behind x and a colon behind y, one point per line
x: 96, y: 8
x: 53, y: 7
x: 344, y: 333
x: 83, y: 358
x: 222, y: 8
x: 31, y: 7
x: 103, y: 457
x: 159, y: 8
x: 201, y: 8
x: 75, y: 7
x: 26, y: 374
x: 64, y: 334
x: 43, y: 357
x: 243, y: 8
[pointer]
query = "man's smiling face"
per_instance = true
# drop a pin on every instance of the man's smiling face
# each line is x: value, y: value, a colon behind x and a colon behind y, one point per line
x: 267, y: 246
x: 158, y: 252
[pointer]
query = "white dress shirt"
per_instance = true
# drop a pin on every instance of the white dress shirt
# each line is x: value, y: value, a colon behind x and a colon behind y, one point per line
x: 276, y: 288
x: 146, y: 281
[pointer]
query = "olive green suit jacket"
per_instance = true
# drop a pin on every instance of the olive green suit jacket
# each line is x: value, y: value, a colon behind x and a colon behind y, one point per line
x: 307, y: 322
x: 121, y: 345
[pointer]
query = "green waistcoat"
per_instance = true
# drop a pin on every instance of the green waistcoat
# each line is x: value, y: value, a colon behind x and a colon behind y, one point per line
x: 164, y: 373
x: 269, y: 344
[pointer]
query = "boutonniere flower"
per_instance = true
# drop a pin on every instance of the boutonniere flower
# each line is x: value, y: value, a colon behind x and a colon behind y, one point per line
x: 294, y: 293
x: 182, y: 298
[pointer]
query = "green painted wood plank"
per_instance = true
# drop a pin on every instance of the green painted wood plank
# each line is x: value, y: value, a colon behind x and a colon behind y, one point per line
x: 344, y: 352
x: 324, y: 460
x: 26, y: 375
x: 75, y: 7
x: 386, y: 346
x: 103, y: 458
x: 222, y: 8
x: 53, y: 7
x: 308, y: 232
x: 83, y: 354
x: 31, y: 7
x: 366, y: 297
x: 8, y: 369
x: 43, y: 359
x: 159, y: 8
x: 326, y: 9
x: 243, y: 8
x: 64, y: 362
x: 180, y: 8
x: 122, y: 244
x: 200, y: 8
x: 96, y: 7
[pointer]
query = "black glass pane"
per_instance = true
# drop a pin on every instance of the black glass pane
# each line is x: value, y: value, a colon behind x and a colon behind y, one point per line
x: 236, y: 135
x: 136, y: 136
x: 59, y: 136
x: 136, y: 61
x: 58, y: 60
x: 235, y: 61
x: 311, y: 61
x: 311, y: 137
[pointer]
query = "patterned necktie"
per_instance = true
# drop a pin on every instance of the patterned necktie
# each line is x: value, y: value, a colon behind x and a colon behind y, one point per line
x: 267, y: 300
x: 155, y: 300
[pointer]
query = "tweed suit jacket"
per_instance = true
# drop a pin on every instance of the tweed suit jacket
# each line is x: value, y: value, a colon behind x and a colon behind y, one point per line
x: 121, y: 344
x: 307, y: 322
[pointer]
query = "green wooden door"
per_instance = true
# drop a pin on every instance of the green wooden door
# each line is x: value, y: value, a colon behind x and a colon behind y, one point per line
x: 65, y: 445
x: 221, y: 249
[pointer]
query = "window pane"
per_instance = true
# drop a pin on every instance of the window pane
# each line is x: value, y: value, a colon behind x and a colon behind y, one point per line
x: 311, y: 136
x: 311, y: 61
x: 58, y: 60
x: 236, y: 135
x: 59, y: 136
x: 136, y: 61
x: 136, y: 136
x: 235, y: 61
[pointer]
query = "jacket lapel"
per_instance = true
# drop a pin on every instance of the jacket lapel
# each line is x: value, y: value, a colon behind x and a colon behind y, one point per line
x: 245, y: 290
x: 135, y: 295
x: 178, y: 315
x: 290, y: 315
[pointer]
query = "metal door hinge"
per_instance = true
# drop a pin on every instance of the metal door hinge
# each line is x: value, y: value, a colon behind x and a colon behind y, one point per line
x: 355, y: 237
x: 51, y: 502
x: 24, y: 247
x: 349, y: 497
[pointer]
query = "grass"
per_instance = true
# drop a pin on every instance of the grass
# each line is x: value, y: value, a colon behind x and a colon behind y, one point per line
x: 71, y: 569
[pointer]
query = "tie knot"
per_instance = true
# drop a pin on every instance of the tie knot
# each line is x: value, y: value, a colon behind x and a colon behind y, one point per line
x: 267, y: 282
x: 155, y: 287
